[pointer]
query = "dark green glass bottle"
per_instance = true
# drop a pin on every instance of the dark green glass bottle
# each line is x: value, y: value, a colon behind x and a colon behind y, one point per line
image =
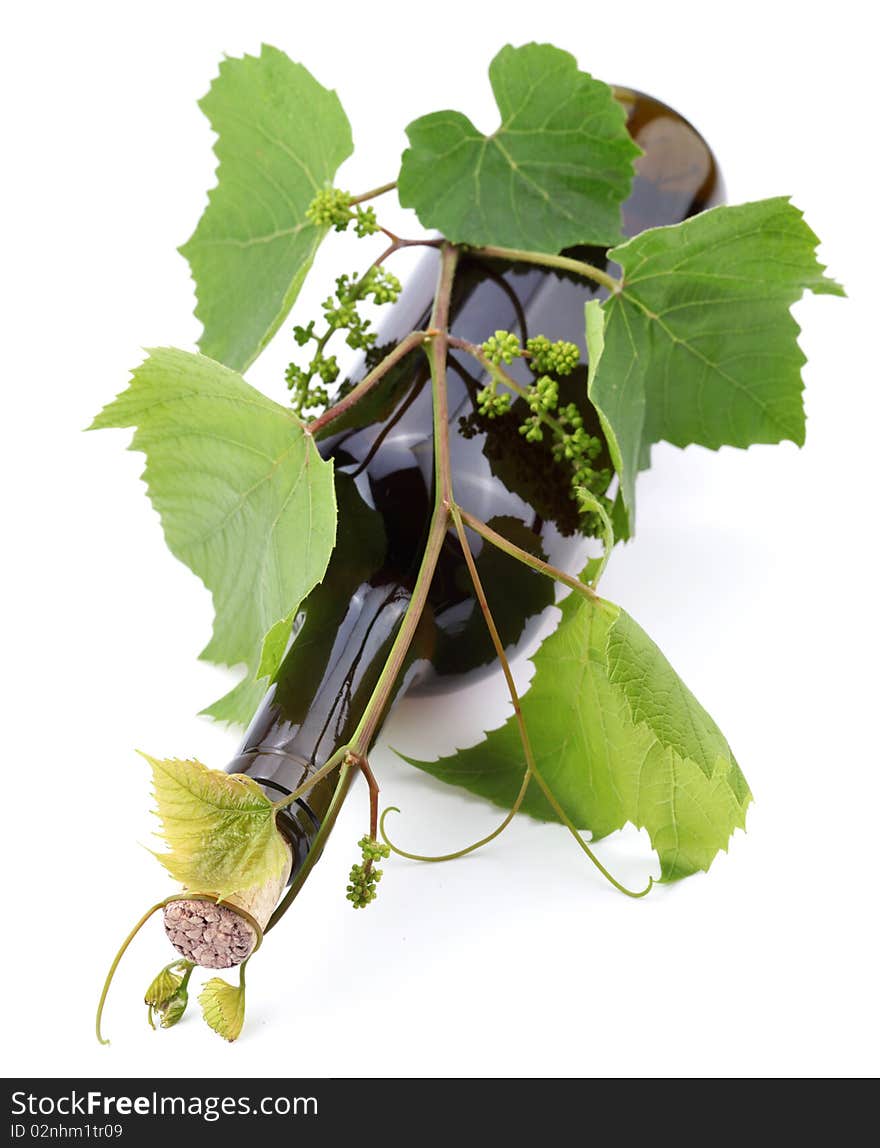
x: 383, y: 460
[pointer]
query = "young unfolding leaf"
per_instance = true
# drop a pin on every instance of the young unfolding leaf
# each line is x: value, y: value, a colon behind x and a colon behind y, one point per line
x: 245, y: 499
x: 619, y: 738
x: 223, y: 1007
x: 554, y: 174
x: 162, y: 988
x: 699, y: 346
x: 166, y: 996
x: 281, y: 138
x: 219, y: 828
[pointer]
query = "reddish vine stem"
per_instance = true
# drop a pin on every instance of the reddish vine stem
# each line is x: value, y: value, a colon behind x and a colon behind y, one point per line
x: 413, y: 340
x: 373, y: 785
x: 397, y: 244
x: 523, y: 556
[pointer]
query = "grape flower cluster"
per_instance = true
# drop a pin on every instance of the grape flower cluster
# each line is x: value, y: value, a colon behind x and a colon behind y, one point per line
x: 333, y: 207
x: 309, y: 385
x: 571, y: 443
x: 364, y: 878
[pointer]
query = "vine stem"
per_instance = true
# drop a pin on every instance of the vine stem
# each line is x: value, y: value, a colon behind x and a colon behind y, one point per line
x: 329, y: 820
x: 341, y: 754
x: 366, y: 729
x: 523, y: 556
x: 363, y: 735
x: 561, y: 262
x: 115, y: 965
x: 373, y: 787
x: 374, y: 193
x: 532, y: 769
x: 397, y: 244
x: 348, y: 761
x: 403, y: 348
x: 357, y: 749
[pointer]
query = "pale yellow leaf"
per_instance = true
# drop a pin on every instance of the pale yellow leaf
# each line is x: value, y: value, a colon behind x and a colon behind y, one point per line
x: 223, y: 1007
x: 219, y: 827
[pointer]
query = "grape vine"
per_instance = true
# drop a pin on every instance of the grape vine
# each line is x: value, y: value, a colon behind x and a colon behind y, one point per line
x: 704, y: 302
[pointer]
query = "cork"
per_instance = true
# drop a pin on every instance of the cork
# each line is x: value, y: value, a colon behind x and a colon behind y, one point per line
x: 216, y: 936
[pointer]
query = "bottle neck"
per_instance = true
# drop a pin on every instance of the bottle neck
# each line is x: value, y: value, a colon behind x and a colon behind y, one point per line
x: 313, y: 708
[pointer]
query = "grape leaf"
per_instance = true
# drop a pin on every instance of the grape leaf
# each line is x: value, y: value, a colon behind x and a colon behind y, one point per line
x: 699, y: 346
x: 245, y: 500
x: 619, y: 738
x: 281, y: 137
x: 553, y: 175
x: 275, y: 647
x: 223, y: 1007
x: 219, y: 828
x: 162, y: 988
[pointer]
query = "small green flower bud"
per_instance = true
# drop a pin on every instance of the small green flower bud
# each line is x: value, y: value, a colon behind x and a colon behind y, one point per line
x: 539, y: 347
x: 331, y: 208
x: 490, y: 404
x: 502, y: 347
x: 565, y: 357
x: 532, y: 430
x: 303, y: 334
x: 561, y: 357
x: 547, y: 392
x: 327, y: 368
x: 569, y: 415
x: 365, y: 222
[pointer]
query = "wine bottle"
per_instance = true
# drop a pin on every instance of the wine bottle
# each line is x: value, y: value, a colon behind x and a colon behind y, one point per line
x: 383, y: 456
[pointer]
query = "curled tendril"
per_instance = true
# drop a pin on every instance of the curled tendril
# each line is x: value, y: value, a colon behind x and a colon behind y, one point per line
x: 589, y: 502
x: 472, y: 848
x: 115, y: 965
x: 531, y: 766
x: 496, y: 832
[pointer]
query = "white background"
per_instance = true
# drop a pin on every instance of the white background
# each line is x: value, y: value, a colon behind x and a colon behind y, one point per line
x: 755, y: 572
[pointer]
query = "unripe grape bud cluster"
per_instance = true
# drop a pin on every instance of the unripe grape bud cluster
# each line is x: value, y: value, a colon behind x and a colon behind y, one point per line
x: 363, y: 878
x: 572, y: 445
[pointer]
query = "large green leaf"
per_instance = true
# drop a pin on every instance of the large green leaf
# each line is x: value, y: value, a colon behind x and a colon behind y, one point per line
x: 619, y: 738
x: 245, y: 500
x: 281, y: 137
x: 699, y: 346
x: 554, y: 174
x: 219, y: 828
